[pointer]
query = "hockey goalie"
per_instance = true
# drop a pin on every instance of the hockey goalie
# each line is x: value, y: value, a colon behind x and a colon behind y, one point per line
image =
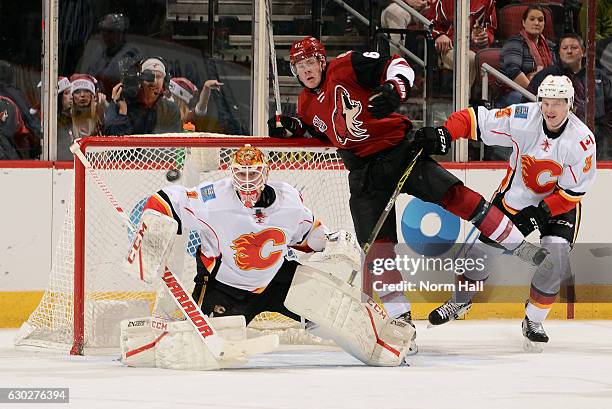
x: 248, y: 227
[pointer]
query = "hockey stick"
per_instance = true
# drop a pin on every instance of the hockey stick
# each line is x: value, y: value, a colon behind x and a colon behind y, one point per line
x: 200, y: 322
x: 381, y: 220
x: 273, y: 62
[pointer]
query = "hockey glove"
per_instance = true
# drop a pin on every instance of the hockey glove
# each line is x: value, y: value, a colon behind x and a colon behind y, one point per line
x: 291, y: 127
x: 531, y: 218
x: 385, y: 98
x: 434, y: 141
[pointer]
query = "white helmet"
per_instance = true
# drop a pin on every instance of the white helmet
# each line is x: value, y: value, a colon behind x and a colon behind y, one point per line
x: 557, y: 86
x: 249, y: 174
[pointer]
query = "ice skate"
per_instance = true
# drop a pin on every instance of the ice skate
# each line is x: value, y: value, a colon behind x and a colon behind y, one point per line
x: 448, y: 311
x: 535, y: 336
x: 407, y: 317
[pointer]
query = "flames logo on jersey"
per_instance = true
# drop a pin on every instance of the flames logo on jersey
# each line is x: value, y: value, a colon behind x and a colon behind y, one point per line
x: 533, y: 168
x: 588, y: 164
x: 248, y: 249
x: 346, y: 125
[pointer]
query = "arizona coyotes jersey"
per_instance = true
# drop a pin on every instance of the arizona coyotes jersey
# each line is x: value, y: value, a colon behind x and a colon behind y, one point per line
x: 251, y: 244
x: 557, y: 169
x: 339, y: 107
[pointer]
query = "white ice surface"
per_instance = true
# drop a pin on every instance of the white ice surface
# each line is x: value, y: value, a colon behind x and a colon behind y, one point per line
x: 468, y: 364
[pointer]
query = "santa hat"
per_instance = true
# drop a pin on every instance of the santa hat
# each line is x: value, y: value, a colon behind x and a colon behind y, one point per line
x: 83, y: 81
x: 153, y: 64
x: 63, y: 84
x: 183, y: 89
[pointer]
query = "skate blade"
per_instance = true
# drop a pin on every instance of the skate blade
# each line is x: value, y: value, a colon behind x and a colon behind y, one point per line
x: 533, y: 347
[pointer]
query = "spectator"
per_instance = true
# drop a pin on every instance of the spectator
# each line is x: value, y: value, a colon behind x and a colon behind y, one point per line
x: 27, y: 139
x: 483, y: 23
x: 12, y: 131
x: 103, y: 61
x: 526, y: 53
x: 88, y: 106
x: 394, y: 16
x: 64, y: 119
x: 138, y: 106
x: 571, y: 64
x: 184, y: 91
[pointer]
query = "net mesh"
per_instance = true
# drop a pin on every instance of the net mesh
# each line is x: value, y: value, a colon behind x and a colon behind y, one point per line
x: 132, y: 174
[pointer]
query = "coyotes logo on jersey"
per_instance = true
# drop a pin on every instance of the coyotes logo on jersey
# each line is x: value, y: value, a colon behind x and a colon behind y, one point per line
x: 533, y: 170
x: 249, y: 249
x: 346, y: 110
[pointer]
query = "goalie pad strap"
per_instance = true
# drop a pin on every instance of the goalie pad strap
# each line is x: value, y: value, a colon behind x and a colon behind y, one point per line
x: 378, y: 340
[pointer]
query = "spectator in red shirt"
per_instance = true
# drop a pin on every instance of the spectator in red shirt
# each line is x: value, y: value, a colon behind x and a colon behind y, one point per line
x: 483, y: 23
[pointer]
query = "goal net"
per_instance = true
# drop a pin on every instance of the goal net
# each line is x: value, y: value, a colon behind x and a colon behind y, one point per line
x: 89, y: 292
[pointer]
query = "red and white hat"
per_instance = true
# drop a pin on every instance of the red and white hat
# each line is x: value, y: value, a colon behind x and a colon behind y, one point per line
x: 82, y: 81
x: 63, y: 84
x: 153, y: 64
x: 183, y: 89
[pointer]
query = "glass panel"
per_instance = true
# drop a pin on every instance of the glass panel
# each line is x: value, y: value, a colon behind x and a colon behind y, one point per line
x: 208, y: 67
x: 20, y: 73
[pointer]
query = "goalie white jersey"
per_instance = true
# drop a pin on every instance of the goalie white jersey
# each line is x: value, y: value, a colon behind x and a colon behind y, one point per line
x: 250, y: 243
x: 557, y: 168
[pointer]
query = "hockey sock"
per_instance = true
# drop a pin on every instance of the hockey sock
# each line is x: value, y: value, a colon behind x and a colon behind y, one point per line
x: 466, y: 288
x: 395, y: 302
x: 469, y: 205
x: 539, y: 304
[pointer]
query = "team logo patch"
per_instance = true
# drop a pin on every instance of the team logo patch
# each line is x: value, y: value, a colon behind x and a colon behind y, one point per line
x: 521, y: 111
x: 503, y: 112
x: 319, y: 124
x: 3, y: 116
x: 344, y: 118
x: 191, y: 194
x: 545, y: 145
x: 588, y: 163
x: 587, y: 142
x: 259, y: 251
x: 540, y: 175
x: 208, y: 193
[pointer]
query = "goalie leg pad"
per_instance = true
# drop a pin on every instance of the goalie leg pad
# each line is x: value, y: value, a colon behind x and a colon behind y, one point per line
x: 151, y: 246
x: 364, y: 330
x: 152, y: 342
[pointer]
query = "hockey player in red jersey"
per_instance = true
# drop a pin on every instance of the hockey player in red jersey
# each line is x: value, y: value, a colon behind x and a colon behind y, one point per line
x: 351, y: 102
x: 551, y: 168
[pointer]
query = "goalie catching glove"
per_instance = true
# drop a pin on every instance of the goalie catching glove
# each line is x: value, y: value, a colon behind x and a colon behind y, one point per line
x: 341, y: 250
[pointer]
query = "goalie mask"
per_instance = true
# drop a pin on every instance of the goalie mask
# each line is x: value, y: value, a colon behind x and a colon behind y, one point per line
x: 249, y: 174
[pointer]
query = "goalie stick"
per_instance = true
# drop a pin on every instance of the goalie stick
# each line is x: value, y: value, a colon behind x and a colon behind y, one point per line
x: 200, y: 322
x: 381, y: 220
x: 273, y: 62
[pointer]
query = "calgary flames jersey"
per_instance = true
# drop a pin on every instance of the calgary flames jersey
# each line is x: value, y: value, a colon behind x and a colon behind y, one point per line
x: 339, y: 107
x: 251, y: 244
x: 557, y: 168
